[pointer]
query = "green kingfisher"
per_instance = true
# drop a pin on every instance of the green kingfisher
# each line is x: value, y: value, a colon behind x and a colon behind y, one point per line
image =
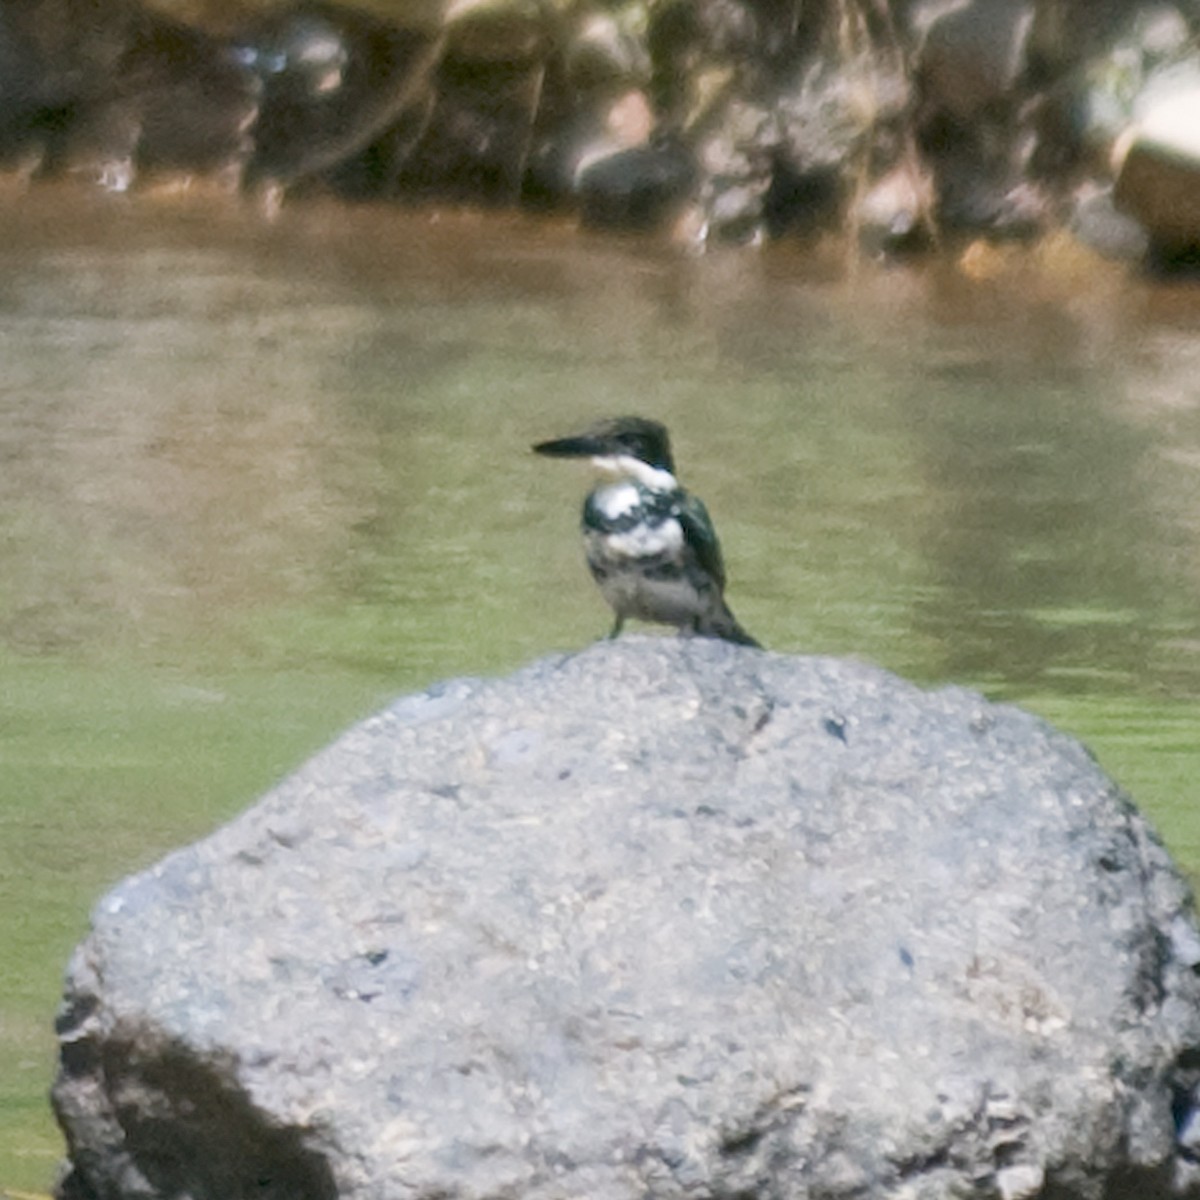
x: 651, y: 545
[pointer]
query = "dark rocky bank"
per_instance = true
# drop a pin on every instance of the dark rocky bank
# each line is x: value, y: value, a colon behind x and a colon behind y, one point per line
x: 730, y: 119
x: 664, y: 918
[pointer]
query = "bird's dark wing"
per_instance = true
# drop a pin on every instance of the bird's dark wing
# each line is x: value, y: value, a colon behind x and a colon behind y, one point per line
x: 699, y: 535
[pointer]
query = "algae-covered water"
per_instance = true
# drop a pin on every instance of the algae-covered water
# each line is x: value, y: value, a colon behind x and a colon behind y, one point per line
x: 257, y: 478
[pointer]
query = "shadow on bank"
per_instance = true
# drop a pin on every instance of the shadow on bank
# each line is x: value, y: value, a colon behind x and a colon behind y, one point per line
x: 716, y: 119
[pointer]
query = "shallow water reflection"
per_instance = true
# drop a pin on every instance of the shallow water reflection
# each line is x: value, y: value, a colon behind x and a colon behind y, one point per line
x: 976, y: 482
x: 255, y: 478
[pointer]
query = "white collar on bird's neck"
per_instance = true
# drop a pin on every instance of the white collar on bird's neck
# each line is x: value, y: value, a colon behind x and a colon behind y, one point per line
x: 657, y: 479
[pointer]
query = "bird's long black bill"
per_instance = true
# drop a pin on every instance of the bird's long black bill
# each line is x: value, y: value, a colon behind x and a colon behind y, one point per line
x: 583, y: 445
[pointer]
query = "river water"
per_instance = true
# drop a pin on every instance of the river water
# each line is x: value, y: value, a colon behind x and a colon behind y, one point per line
x: 256, y: 478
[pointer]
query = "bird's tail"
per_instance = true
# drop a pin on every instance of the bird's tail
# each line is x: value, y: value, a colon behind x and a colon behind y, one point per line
x: 721, y: 623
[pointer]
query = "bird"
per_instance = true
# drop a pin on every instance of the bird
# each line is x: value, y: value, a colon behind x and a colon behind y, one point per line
x: 650, y: 544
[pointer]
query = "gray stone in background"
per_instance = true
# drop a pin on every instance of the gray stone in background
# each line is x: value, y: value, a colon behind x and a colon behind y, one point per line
x: 664, y: 918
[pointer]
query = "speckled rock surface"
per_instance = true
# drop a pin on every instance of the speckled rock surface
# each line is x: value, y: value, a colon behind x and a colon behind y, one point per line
x: 664, y: 918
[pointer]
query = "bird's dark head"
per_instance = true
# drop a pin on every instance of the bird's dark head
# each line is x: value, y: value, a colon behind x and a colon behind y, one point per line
x: 617, y: 440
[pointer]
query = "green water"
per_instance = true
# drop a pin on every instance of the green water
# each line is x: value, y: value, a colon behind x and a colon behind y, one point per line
x: 254, y: 480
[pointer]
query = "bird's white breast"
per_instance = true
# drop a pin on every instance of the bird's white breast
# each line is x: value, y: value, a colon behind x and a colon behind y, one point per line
x: 631, y: 524
x: 645, y: 538
x: 646, y: 541
x: 617, y: 500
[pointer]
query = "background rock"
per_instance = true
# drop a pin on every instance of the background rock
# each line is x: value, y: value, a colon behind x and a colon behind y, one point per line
x: 888, y: 122
x: 1159, y: 177
x: 636, y: 187
x: 665, y: 917
x: 335, y: 80
x: 178, y: 101
x: 54, y: 55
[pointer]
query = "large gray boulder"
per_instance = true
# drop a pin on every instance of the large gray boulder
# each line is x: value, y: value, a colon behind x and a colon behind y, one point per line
x: 664, y: 918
